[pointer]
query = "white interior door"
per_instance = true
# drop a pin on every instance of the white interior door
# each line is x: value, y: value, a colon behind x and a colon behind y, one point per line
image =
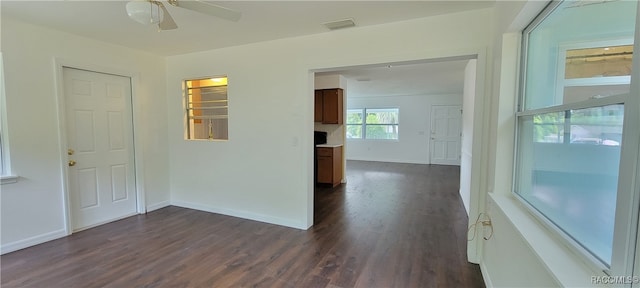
x: 100, y: 138
x: 445, y: 134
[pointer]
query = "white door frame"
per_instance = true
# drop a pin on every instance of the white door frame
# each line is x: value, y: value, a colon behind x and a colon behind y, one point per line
x: 59, y: 65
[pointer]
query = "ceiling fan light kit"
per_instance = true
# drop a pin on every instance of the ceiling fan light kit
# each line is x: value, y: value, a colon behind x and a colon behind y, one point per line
x: 145, y: 12
x: 154, y: 12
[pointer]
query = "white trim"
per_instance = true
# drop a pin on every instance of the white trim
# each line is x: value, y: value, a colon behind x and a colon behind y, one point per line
x: 480, y: 150
x: 597, y: 81
x: 9, y: 179
x: 136, y: 109
x: 62, y: 140
x: 611, y: 100
x: 5, y: 166
x: 59, y: 64
x: 241, y: 214
x: 628, y: 204
x: 31, y: 241
x: 486, y: 276
x: 158, y: 205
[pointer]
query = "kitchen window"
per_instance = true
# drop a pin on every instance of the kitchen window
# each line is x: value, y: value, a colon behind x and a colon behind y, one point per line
x: 373, y: 123
x: 207, y: 108
x: 575, y: 90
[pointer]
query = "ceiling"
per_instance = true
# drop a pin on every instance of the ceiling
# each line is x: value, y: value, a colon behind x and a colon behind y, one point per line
x: 261, y: 21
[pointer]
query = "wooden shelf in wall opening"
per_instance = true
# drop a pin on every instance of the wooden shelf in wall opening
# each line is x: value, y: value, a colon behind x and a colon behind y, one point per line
x: 210, y: 117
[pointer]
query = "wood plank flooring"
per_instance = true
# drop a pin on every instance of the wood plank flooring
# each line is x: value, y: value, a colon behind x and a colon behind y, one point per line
x: 392, y: 225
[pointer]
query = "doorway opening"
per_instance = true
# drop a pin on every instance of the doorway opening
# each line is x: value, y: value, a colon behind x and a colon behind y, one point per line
x: 413, y: 89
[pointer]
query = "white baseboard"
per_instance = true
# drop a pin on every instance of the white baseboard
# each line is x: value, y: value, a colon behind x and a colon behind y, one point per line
x: 32, y: 241
x: 241, y: 214
x: 158, y: 205
x: 485, y: 275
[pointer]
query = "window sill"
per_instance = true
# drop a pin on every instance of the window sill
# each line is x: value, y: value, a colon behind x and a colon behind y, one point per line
x: 564, y: 265
x: 9, y: 179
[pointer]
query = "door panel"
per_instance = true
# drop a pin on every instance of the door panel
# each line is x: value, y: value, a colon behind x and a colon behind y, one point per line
x: 116, y: 133
x: 87, y: 187
x: 84, y: 126
x: 119, y: 182
x: 100, y: 139
x: 445, y: 134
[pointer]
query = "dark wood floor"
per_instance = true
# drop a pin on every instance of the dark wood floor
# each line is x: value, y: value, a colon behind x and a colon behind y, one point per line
x: 392, y: 225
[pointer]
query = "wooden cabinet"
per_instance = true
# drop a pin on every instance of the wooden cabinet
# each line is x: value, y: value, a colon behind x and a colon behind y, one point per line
x: 329, y: 165
x: 317, y: 116
x: 329, y: 106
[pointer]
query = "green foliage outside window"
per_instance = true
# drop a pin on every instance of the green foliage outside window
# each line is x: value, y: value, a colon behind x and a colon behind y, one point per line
x: 379, y: 124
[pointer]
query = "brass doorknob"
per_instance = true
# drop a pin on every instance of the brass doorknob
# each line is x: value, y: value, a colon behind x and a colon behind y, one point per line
x: 72, y: 163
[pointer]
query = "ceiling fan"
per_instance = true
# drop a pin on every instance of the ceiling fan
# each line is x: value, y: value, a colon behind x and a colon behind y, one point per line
x: 154, y: 12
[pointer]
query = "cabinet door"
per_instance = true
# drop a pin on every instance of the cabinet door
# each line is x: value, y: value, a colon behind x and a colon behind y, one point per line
x: 337, y: 166
x: 317, y: 116
x: 332, y: 106
x: 325, y: 170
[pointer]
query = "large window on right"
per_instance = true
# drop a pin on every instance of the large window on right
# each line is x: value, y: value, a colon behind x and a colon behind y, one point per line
x: 576, y: 76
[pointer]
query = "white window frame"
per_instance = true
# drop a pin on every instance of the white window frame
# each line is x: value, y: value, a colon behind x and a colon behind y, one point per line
x: 364, y: 124
x: 6, y: 176
x: 628, y: 195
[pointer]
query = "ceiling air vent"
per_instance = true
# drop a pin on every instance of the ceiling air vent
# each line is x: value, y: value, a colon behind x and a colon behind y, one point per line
x: 340, y: 24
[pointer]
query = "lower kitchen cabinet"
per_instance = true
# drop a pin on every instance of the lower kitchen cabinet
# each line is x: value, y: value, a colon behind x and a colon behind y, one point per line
x: 329, y: 165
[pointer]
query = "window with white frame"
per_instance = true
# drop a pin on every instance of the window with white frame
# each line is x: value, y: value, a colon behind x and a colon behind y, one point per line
x: 576, y: 75
x: 373, y: 123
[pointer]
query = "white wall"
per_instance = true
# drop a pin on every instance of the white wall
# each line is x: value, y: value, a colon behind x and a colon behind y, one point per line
x: 330, y: 82
x: 265, y: 170
x: 32, y: 210
x: 413, y: 132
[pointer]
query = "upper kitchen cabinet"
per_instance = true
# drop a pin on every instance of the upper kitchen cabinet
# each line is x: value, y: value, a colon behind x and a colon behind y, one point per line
x: 318, y: 107
x: 329, y: 106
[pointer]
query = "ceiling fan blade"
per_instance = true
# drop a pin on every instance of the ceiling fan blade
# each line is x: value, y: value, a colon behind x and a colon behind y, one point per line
x: 167, y: 21
x: 210, y: 9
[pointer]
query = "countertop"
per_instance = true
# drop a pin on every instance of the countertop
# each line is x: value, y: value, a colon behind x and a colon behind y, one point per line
x: 328, y: 145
